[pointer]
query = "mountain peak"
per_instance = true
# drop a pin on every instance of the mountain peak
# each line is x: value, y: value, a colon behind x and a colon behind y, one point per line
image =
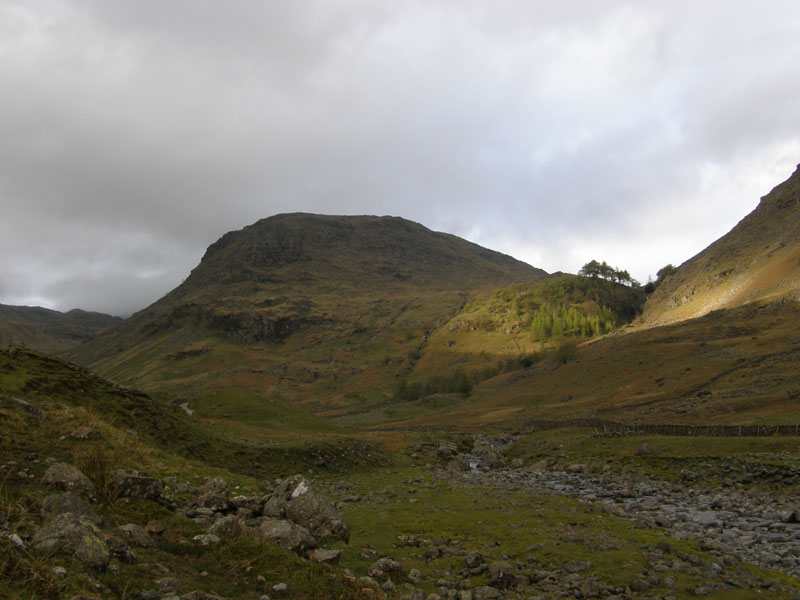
x: 757, y: 260
x: 783, y: 196
x: 353, y: 249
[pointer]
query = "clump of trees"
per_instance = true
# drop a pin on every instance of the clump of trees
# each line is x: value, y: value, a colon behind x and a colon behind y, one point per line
x: 458, y: 382
x: 570, y: 321
x: 605, y: 271
x: 661, y: 276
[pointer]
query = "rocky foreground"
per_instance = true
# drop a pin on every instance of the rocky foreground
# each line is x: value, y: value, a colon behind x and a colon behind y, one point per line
x: 729, y: 527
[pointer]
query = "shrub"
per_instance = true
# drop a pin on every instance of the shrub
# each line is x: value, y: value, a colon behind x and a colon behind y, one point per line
x: 566, y: 352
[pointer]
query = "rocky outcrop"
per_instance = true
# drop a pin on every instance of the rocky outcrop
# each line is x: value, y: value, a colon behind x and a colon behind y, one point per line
x: 295, y: 499
x: 136, y: 484
x: 136, y: 535
x: 65, y: 477
x: 286, y: 535
x: 70, y: 534
x: 57, y: 504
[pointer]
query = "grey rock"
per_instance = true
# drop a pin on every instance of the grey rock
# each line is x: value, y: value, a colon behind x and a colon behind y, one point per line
x: 486, y: 592
x: 154, y: 527
x: 215, y: 501
x: 137, y: 535
x: 500, y: 575
x: 85, y: 433
x: 69, y: 534
x: 67, y: 478
x: 214, y: 485
x: 226, y: 527
x: 295, y: 499
x: 383, y: 567
x: 792, y: 516
x: 473, y: 559
x: 206, y: 539
x: 640, y: 584
x: 287, y: 535
x: 322, y: 555
x: 57, y: 504
x: 136, y: 484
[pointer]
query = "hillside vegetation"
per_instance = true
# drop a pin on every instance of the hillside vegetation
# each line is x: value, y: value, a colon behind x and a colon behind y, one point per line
x: 309, y: 309
x: 439, y: 402
x: 759, y: 259
x: 48, y: 330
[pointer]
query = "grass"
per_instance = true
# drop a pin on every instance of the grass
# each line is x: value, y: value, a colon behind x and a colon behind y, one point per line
x: 540, y: 531
x: 669, y: 455
x: 399, y: 498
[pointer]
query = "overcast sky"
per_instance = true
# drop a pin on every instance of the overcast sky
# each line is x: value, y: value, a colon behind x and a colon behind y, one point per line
x: 134, y: 133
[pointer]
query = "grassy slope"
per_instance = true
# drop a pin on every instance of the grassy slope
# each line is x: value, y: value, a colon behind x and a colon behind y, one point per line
x: 320, y: 311
x: 730, y: 367
x: 48, y: 330
x: 283, y: 440
x: 401, y: 499
x: 137, y: 431
x: 759, y: 259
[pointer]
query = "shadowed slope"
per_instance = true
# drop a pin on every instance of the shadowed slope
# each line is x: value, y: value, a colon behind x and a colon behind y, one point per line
x: 50, y: 330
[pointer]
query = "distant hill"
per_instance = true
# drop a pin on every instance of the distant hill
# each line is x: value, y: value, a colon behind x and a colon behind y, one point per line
x: 303, y: 306
x: 48, y: 330
x: 759, y: 259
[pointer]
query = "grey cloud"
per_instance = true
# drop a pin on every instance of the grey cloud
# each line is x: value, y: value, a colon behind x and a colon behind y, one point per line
x: 141, y: 131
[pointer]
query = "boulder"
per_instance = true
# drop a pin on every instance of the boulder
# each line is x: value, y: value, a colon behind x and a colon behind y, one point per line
x: 323, y: 555
x: 226, y: 527
x: 287, y: 535
x: 85, y: 433
x: 384, y: 567
x: 206, y: 539
x: 69, y: 534
x: 57, y: 504
x: 137, y: 535
x: 486, y: 592
x: 296, y: 500
x: 214, y: 485
x: 119, y: 549
x: 67, y: 478
x: 500, y: 575
x: 214, y: 501
x: 473, y: 559
x: 792, y: 516
x: 128, y: 483
x: 197, y: 595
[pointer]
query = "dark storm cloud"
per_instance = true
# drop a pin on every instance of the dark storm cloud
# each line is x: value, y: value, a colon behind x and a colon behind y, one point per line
x: 136, y: 133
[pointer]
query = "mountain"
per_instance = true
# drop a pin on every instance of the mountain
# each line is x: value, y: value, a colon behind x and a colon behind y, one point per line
x: 759, y: 259
x: 303, y: 307
x: 48, y: 330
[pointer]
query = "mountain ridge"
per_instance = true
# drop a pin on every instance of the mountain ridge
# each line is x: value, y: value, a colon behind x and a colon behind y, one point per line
x: 759, y: 259
x: 49, y: 330
x: 300, y: 291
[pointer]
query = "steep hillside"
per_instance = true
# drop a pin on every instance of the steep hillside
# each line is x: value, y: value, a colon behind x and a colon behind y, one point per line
x: 732, y: 366
x: 48, y: 330
x: 758, y: 259
x: 301, y: 307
